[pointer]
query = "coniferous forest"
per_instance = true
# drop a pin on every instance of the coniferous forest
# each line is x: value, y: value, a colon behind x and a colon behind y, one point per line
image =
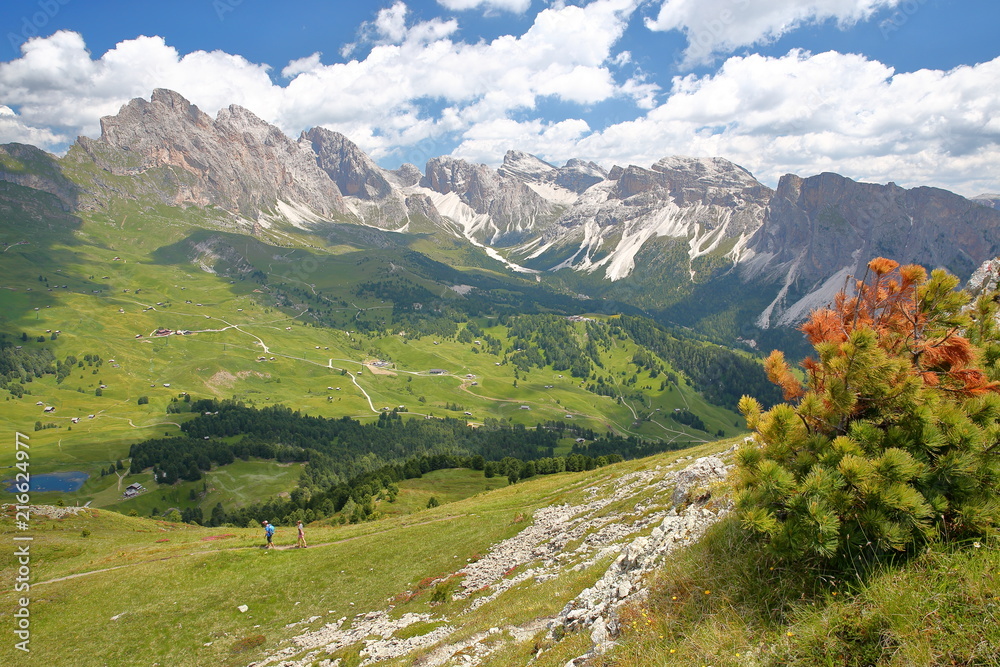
x: 351, y: 461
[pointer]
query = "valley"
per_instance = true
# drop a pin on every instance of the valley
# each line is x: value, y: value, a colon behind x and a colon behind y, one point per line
x: 167, y: 318
x: 498, y: 399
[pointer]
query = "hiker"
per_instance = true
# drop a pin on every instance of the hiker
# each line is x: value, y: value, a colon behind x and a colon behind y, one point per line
x: 269, y: 534
x: 302, y: 536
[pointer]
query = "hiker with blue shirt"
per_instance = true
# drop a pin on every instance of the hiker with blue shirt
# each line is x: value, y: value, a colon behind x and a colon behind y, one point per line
x: 269, y: 534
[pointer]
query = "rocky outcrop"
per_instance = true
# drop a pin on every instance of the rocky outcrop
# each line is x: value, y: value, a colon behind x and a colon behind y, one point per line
x: 348, y: 166
x: 578, y: 175
x: 985, y: 279
x: 637, y: 518
x: 237, y: 161
x: 828, y: 227
x: 371, y: 193
x: 693, y: 484
x: 420, y: 205
x: 525, y: 167
x: 833, y: 222
x: 54, y: 511
x: 691, y: 181
x: 594, y: 609
x: 407, y: 175
x: 34, y: 168
x: 510, y: 209
x: 708, y: 204
x: 991, y: 200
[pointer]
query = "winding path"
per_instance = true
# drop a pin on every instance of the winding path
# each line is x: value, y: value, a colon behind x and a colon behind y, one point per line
x: 368, y: 398
x: 212, y: 551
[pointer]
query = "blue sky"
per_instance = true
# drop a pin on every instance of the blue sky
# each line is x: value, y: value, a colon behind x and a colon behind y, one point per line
x: 879, y: 90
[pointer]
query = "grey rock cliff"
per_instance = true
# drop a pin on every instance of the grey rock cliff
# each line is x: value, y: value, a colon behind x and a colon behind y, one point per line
x: 819, y: 231
x: 237, y: 161
x: 988, y: 199
x: 514, y: 209
x: 578, y: 175
x: 34, y: 168
x: 701, y: 202
x: 348, y: 166
x: 984, y: 279
x: 828, y: 222
x: 379, y: 203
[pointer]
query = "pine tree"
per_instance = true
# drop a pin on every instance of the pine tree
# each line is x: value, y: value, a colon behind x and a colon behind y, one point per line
x: 894, y: 437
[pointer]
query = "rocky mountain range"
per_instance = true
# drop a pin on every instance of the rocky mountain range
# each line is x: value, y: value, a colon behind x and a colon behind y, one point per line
x: 988, y: 199
x: 707, y: 217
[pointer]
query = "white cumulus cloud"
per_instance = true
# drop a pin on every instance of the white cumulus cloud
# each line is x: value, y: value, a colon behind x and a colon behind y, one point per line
x: 14, y: 130
x: 516, y: 6
x: 420, y: 91
x: 417, y: 81
x: 486, y: 142
x: 807, y: 113
x: 718, y: 27
x: 390, y: 23
x: 57, y: 85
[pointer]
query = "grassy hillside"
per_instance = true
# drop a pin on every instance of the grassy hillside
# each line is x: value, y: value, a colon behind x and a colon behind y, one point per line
x: 112, y: 615
x: 940, y: 608
x: 277, y: 318
x: 347, y: 570
x: 98, y: 593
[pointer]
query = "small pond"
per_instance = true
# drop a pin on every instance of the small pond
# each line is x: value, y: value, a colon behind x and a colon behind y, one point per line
x: 53, y: 481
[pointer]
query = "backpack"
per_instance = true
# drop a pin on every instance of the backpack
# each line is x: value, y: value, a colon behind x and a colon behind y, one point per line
x: 269, y: 531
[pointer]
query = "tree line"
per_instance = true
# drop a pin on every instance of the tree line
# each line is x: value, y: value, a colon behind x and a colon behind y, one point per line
x: 21, y: 364
x: 721, y: 375
x: 348, y: 461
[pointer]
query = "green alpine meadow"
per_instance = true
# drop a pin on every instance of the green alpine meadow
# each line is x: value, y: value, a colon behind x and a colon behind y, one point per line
x: 496, y: 333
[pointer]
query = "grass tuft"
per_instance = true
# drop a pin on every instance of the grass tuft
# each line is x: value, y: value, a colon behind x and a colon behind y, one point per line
x: 247, y: 643
x: 727, y: 601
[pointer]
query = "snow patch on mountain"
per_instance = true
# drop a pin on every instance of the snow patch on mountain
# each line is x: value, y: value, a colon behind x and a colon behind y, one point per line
x: 764, y: 320
x: 554, y: 193
x: 524, y: 166
x: 990, y: 199
x: 704, y: 241
x: 820, y: 297
x: 297, y: 214
x: 451, y: 206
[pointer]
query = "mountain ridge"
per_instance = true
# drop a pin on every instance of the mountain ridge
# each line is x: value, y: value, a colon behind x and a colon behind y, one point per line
x: 705, y: 217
